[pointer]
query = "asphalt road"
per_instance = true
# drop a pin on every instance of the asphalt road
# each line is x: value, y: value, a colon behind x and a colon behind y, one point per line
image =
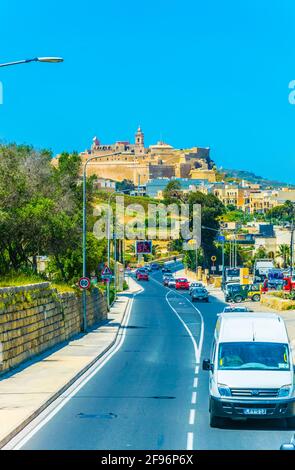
x: 152, y: 394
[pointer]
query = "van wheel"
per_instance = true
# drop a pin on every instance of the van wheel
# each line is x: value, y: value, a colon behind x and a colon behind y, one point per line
x: 291, y: 423
x: 238, y: 299
x: 216, y: 421
x: 256, y: 298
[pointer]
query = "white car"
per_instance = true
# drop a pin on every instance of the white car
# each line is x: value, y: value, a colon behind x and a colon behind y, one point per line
x: 236, y: 308
x: 251, y: 369
x: 171, y: 283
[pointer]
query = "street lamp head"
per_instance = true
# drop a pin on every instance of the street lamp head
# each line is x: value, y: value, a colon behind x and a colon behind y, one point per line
x: 51, y: 60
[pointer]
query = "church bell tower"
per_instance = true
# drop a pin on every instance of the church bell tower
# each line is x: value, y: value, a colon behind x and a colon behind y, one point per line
x: 139, y: 141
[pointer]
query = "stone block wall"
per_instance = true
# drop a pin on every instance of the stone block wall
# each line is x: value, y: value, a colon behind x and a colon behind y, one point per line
x: 36, y: 317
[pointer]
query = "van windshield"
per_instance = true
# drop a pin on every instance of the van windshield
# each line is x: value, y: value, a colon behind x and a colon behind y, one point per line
x: 253, y: 356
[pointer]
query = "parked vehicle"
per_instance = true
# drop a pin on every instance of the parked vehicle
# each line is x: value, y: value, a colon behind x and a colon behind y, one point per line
x: 193, y: 285
x: 289, y: 283
x: 182, y: 283
x: 142, y: 275
x: 286, y: 284
x: 262, y: 267
x: 251, y: 370
x: 199, y: 293
x: 239, y: 293
x: 232, y: 274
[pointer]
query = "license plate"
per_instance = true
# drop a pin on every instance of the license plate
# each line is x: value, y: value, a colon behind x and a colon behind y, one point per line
x: 254, y: 411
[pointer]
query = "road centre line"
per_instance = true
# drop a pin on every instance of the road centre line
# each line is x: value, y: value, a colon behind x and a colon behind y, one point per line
x: 192, y: 416
x: 194, y: 398
x: 190, y: 441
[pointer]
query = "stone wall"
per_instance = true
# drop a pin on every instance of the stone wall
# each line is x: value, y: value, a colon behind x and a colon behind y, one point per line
x: 35, y: 317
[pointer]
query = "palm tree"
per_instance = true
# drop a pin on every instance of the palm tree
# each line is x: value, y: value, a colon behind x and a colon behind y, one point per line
x: 284, y: 253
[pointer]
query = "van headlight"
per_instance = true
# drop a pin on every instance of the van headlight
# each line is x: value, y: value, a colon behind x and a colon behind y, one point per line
x: 285, y: 391
x: 224, y: 390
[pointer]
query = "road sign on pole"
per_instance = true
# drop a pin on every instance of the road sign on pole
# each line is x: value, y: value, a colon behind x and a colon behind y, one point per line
x: 213, y: 258
x: 84, y: 283
x: 106, y: 271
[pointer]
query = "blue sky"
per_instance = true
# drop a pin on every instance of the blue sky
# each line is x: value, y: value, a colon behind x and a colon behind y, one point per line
x: 193, y: 73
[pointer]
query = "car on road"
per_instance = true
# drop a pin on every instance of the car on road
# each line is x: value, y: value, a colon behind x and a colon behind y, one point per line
x: 155, y: 266
x: 195, y: 284
x: 236, y: 308
x: 171, y: 283
x: 182, y: 283
x: 165, y: 269
x: 167, y: 277
x: 142, y: 275
x: 199, y: 293
x: 251, y: 369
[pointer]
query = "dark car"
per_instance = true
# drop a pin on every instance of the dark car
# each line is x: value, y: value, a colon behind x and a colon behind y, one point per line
x: 166, y: 270
x: 155, y: 266
x: 238, y: 293
x: 199, y: 293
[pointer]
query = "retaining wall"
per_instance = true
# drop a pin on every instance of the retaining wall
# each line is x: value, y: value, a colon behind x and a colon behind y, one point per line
x: 36, y: 317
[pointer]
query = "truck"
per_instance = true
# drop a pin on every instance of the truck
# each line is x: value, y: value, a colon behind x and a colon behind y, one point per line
x: 262, y: 267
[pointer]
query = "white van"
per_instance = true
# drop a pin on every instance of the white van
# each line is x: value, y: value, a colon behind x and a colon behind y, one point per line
x: 251, y: 369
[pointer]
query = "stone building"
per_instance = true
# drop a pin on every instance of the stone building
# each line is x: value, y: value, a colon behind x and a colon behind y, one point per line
x: 138, y: 163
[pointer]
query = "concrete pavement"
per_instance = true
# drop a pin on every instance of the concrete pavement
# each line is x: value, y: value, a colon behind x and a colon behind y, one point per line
x: 29, y: 389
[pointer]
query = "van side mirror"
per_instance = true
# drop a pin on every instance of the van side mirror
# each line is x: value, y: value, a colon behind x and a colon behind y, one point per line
x: 289, y: 446
x: 207, y: 365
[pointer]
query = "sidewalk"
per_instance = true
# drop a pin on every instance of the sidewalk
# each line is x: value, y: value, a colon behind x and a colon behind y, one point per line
x: 29, y: 389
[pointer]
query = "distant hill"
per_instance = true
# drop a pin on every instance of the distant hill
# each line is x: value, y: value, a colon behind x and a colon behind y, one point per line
x: 252, y: 178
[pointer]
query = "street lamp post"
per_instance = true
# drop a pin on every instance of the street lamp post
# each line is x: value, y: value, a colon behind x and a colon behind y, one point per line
x: 50, y: 60
x: 84, y: 228
x: 123, y: 191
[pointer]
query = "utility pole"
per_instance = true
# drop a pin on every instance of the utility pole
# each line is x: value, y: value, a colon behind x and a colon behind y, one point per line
x: 292, y: 248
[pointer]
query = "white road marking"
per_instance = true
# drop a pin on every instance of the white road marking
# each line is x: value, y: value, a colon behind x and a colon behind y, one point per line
x: 190, y: 441
x: 194, y: 398
x: 45, y: 416
x: 192, y: 416
x: 197, y: 350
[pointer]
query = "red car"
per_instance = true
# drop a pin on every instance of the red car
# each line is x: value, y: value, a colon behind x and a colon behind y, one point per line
x: 182, y: 283
x: 142, y: 275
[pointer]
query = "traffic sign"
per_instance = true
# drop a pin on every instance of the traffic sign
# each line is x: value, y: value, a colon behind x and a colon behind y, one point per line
x: 106, y: 271
x: 84, y: 283
x: 213, y: 268
x: 221, y: 238
x: 213, y: 258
